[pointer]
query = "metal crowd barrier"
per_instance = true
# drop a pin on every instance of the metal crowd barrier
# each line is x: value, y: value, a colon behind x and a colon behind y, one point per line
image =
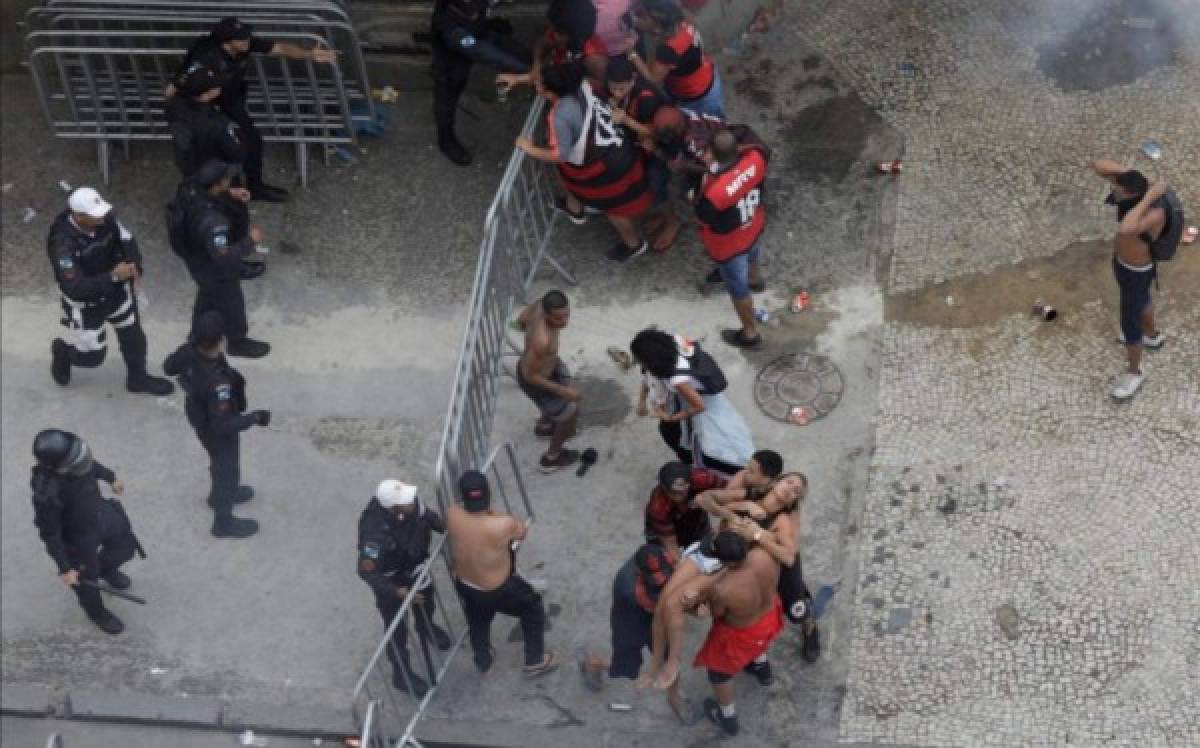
x: 387, y: 715
x: 101, y: 67
x: 517, y: 233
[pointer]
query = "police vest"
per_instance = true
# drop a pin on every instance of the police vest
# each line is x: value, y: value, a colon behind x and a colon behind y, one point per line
x: 731, y: 210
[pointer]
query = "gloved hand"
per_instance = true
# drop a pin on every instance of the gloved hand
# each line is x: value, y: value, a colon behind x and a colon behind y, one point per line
x: 262, y: 417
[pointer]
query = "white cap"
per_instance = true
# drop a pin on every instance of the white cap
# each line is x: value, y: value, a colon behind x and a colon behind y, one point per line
x: 87, y: 201
x: 395, y: 493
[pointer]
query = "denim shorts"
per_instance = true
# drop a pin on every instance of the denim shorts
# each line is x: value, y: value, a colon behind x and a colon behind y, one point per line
x: 712, y: 103
x: 736, y: 271
x: 1135, y: 299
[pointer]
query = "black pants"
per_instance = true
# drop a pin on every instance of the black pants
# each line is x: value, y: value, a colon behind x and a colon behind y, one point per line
x: 513, y: 598
x: 422, y: 616
x: 672, y: 434
x: 223, y: 295
x: 224, y: 467
x: 89, y: 343
x: 797, y: 600
x: 632, y: 631
x: 113, y: 552
x: 235, y: 107
x: 452, y: 60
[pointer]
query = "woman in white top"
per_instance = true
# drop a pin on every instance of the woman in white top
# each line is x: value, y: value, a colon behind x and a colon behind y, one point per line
x: 683, y: 386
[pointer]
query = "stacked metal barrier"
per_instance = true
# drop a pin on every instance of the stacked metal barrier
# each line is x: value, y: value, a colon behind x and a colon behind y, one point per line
x: 101, y: 68
x: 516, y: 242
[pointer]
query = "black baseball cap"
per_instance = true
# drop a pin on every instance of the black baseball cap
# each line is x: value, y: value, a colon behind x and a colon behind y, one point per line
x: 213, y: 171
x: 473, y: 486
x: 231, y: 29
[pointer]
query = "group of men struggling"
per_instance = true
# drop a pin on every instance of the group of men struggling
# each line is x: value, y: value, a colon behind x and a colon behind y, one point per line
x: 635, y: 99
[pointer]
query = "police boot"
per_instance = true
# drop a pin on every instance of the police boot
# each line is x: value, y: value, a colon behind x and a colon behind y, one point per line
x: 454, y: 150
x: 145, y: 384
x: 117, y: 580
x: 251, y: 270
x: 60, y: 366
x: 247, y: 348
x: 233, y: 527
x: 109, y: 623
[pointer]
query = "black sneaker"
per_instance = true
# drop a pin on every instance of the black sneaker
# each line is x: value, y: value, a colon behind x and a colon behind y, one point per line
x: 761, y: 671
x: 729, y: 725
x: 419, y: 686
x: 621, y: 253
x: 247, y: 348
x: 117, y: 580
x: 244, y: 494
x: 455, y: 151
x: 441, y: 638
x: 234, y: 527
x: 811, y: 650
x: 60, y: 364
x: 566, y: 458
x: 109, y: 624
x: 738, y: 339
x: 148, y: 385
x: 268, y: 193
x: 560, y: 204
x: 251, y: 270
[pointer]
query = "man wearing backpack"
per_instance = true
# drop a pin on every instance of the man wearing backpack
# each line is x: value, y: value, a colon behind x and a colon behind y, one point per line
x: 1148, y: 217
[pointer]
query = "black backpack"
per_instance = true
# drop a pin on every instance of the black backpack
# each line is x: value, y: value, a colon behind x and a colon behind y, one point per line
x: 704, y: 370
x: 1164, y: 247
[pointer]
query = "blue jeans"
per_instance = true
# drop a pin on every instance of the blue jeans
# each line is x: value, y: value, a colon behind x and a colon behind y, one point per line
x: 736, y: 271
x: 712, y: 103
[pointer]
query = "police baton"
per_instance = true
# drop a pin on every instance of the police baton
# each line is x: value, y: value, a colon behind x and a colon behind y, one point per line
x: 115, y: 592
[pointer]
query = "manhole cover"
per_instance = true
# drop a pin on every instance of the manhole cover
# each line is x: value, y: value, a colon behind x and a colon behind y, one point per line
x: 799, y: 380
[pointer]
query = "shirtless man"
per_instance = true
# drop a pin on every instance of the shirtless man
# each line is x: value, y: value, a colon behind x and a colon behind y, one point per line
x: 545, y: 379
x: 483, y: 547
x: 1141, y: 220
x: 747, y: 616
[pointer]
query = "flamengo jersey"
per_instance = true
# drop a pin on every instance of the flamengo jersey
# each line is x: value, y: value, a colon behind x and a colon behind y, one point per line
x: 604, y: 169
x: 691, y: 71
x: 731, y: 210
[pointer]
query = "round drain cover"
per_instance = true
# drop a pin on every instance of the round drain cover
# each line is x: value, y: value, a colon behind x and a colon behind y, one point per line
x: 799, y: 380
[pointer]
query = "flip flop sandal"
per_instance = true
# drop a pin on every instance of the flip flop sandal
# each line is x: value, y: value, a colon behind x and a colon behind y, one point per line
x: 549, y: 664
x: 620, y: 358
x: 738, y: 339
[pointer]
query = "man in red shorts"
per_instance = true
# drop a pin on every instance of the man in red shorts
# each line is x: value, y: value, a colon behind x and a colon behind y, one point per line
x: 747, y: 617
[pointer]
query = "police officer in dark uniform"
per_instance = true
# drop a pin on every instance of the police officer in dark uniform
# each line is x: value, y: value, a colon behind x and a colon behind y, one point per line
x: 463, y: 34
x: 226, y: 51
x: 96, y: 263
x: 200, y: 131
x: 394, y: 534
x: 88, y: 536
x: 209, y: 227
x: 216, y: 410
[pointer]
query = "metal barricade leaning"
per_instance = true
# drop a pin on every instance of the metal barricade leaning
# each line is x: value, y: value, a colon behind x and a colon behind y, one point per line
x: 390, y: 715
x: 112, y: 94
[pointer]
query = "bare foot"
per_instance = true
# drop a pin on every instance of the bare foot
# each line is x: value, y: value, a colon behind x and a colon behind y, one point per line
x: 668, y: 675
x: 646, y: 679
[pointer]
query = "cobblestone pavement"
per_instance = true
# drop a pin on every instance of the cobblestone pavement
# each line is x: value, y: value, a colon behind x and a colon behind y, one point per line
x: 1027, y: 548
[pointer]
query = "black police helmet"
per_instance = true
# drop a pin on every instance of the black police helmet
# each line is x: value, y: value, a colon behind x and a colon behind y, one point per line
x: 231, y: 29
x: 52, y: 447
x: 213, y: 171
x: 208, y: 329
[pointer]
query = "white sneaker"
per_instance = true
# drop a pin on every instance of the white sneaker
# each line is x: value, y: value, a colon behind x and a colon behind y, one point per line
x: 1147, y: 341
x: 1127, y: 385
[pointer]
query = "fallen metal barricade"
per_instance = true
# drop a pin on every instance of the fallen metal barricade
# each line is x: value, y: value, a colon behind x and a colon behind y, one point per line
x: 379, y: 707
x: 116, y: 95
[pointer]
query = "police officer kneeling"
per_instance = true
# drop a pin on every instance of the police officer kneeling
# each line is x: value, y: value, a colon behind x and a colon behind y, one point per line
x: 209, y: 227
x: 88, y: 536
x: 394, y: 533
x: 215, y: 407
x: 96, y: 263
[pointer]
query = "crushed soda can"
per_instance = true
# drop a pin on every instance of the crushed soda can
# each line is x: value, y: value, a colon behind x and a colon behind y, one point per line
x: 800, y: 415
x: 893, y: 167
x: 1190, y: 234
x: 799, y: 302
